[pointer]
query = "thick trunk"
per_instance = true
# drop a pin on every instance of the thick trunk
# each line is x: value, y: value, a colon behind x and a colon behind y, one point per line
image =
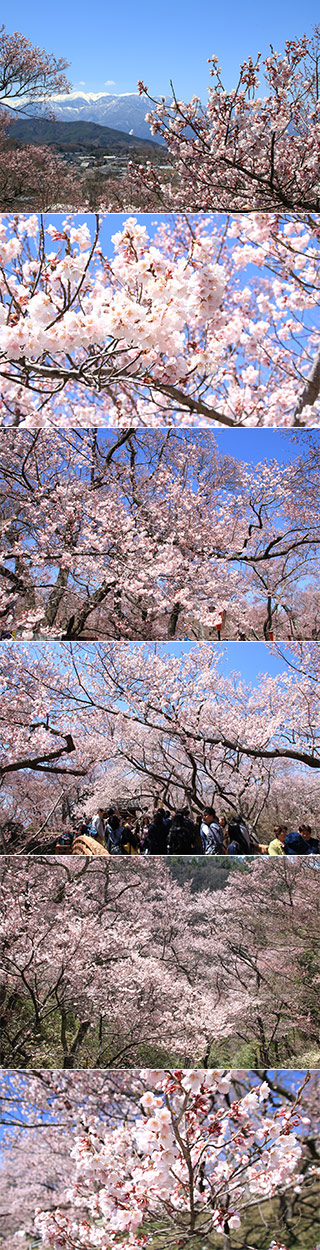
x: 70, y: 1053
x: 56, y: 596
x: 77, y: 622
x: 173, y: 620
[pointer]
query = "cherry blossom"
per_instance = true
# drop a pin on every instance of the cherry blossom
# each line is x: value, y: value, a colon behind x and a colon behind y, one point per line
x: 117, y: 955
x: 208, y: 322
x: 42, y: 1112
x: 150, y: 535
x: 255, y: 146
x: 193, y: 1167
x: 167, y: 721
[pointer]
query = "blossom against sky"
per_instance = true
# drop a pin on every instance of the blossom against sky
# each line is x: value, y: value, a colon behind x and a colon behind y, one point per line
x: 250, y: 660
x: 163, y: 327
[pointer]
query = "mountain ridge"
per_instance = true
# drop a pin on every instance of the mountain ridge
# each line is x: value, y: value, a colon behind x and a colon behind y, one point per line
x: 125, y: 112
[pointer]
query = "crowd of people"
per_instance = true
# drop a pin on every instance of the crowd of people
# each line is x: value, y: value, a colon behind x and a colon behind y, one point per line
x: 182, y: 833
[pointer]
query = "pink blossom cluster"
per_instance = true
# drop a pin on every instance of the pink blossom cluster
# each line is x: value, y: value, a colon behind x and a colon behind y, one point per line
x: 146, y: 306
x: 170, y: 328
x: 44, y: 1110
x: 171, y: 1162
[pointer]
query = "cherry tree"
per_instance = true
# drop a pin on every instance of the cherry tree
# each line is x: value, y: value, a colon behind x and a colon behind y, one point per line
x: 28, y: 74
x: 244, y: 149
x: 209, y: 322
x: 38, y: 175
x: 43, y: 1113
x: 155, y: 535
x: 170, y: 719
x: 99, y: 962
x: 102, y: 959
x: 99, y: 951
x: 40, y: 1113
x: 187, y: 1167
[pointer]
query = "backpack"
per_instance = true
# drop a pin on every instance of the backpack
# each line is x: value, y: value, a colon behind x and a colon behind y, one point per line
x: 114, y: 843
x: 238, y: 833
x: 113, y: 840
x: 294, y: 845
x: 180, y: 836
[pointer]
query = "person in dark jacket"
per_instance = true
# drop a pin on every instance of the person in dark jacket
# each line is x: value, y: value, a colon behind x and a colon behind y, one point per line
x: 114, y: 835
x: 239, y: 843
x: 301, y: 843
x: 157, y: 833
x: 181, y: 835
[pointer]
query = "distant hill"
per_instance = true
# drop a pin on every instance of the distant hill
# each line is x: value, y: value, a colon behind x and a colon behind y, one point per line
x: 78, y: 135
x: 122, y: 112
x: 203, y: 873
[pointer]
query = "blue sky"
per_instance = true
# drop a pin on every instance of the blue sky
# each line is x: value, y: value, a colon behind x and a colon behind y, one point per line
x: 256, y: 445
x: 120, y: 44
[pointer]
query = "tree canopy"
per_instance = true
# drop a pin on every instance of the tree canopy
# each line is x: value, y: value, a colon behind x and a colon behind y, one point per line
x: 140, y: 720
x: 157, y: 535
x: 109, y: 964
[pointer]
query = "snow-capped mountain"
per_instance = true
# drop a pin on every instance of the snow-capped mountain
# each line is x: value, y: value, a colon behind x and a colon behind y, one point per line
x: 121, y: 112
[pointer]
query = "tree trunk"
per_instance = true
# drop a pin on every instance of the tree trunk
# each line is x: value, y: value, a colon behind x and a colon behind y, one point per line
x: 70, y: 1052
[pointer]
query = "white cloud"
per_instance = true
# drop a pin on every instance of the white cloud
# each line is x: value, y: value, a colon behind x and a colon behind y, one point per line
x: 109, y: 83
